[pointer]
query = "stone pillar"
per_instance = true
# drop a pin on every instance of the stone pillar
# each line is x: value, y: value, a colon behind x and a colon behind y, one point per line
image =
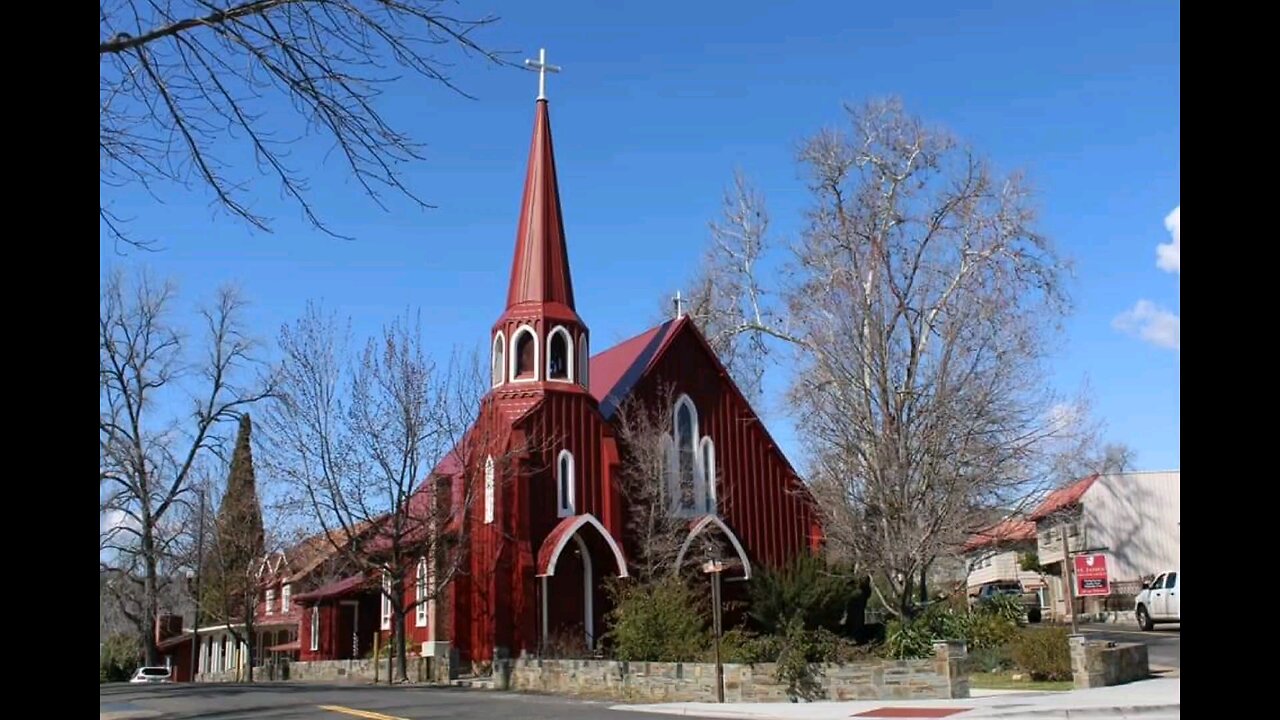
x: 1087, y: 669
x: 501, y: 668
x: 948, y: 662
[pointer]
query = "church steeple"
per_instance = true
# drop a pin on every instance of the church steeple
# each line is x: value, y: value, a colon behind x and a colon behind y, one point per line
x: 539, y: 342
x: 540, y: 268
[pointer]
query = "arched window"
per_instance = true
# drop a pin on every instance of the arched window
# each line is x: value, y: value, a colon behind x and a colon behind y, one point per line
x: 707, y: 456
x: 420, y: 594
x: 565, y: 484
x: 584, y: 361
x: 559, y: 355
x: 524, y: 354
x: 686, y: 432
x: 499, y: 370
x: 488, y: 490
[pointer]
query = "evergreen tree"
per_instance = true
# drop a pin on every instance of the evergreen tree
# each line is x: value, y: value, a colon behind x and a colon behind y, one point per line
x: 239, y: 539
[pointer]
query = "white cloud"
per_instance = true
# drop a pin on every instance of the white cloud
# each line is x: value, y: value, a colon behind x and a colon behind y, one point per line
x: 1152, y: 323
x: 1169, y: 255
x: 115, y: 519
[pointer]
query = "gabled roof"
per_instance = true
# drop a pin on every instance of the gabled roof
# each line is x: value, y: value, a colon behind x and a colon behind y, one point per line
x: 1011, y: 530
x: 616, y: 370
x: 1064, y: 497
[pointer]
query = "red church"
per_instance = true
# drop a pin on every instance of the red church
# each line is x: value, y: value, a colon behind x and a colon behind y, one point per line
x: 550, y: 524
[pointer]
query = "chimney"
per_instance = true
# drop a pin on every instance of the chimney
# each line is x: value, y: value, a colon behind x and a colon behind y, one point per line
x: 168, y: 626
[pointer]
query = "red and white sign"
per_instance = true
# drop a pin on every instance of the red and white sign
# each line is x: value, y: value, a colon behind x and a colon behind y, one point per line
x: 1091, y: 575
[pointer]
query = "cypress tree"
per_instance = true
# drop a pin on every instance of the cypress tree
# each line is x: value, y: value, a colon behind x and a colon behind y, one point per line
x: 240, y: 539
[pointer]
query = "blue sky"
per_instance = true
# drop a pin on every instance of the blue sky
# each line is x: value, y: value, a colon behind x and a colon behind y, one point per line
x: 660, y: 101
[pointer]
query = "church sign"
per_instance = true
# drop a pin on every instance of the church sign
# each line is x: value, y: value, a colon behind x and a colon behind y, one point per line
x: 1091, y: 575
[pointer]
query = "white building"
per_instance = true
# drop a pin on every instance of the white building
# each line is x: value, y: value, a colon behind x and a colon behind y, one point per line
x: 1132, y: 518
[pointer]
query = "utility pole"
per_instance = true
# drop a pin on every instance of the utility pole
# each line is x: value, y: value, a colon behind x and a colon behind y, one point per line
x: 714, y: 568
x: 1067, y: 561
x: 195, y: 619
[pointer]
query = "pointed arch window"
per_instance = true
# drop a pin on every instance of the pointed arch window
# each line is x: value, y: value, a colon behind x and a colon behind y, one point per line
x: 559, y: 355
x: 565, y: 489
x: 584, y: 362
x: 707, y: 460
x: 420, y: 594
x: 499, y: 369
x: 386, y: 600
x: 524, y: 355
x: 691, y: 463
x: 489, y: 483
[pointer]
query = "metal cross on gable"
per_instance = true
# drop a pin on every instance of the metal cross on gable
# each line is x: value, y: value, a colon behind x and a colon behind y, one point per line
x: 543, y: 68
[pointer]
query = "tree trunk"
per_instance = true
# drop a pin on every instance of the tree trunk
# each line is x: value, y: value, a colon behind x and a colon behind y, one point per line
x: 150, y: 599
x: 402, y: 661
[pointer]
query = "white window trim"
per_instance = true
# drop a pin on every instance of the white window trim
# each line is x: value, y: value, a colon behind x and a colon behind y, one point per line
x: 315, y: 628
x: 566, y: 507
x: 420, y: 594
x: 707, y: 447
x: 286, y: 597
x: 490, y: 483
x: 271, y: 601
x: 584, y: 362
x: 511, y: 361
x: 568, y: 346
x: 386, y: 600
x: 499, y: 346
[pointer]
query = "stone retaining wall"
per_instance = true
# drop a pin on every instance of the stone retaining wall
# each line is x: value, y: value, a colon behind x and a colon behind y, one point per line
x: 1101, y: 664
x: 421, y: 669
x: 939, y: 677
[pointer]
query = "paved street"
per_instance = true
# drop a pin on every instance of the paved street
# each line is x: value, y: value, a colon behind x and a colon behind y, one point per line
x: 1163, y: 643
x: 284, y: 701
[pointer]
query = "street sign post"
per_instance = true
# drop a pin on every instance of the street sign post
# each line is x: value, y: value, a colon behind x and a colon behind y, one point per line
x: 1091, y: 575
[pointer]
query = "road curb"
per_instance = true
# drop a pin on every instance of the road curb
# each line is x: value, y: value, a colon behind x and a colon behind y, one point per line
x: 1130, y: 711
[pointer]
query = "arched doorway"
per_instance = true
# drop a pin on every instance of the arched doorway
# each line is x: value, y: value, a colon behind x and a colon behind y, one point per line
x: 571, y: 565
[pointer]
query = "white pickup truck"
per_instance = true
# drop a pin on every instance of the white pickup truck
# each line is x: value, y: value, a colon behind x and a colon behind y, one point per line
x: 1159, y: 601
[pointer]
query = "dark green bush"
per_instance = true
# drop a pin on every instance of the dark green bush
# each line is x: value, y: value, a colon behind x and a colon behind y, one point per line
x: 822, y: 596
x: 661, y: 621
x: 990, y: 660
x: 989, y: 625
x: 120, y: 656
x: 1043, y: 653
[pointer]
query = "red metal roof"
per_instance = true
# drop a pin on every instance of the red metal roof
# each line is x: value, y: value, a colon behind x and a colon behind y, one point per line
x: 1063, y: 497
x: 617, y: 369
x: 342, y: 587
x: 540, y: 269
x: 1007, y: 531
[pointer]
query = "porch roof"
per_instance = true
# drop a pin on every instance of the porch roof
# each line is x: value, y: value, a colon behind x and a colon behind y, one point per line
x: 345, y: 586
x: 286, y: 647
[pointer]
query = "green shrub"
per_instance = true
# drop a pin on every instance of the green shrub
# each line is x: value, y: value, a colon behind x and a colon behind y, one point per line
x: 661, y: 621
x: 121, y: 655
x: 747, y: 648
x: 822, y: 596
x: 990, y: 625
x: 990, y: 660
x: 1043, y: 653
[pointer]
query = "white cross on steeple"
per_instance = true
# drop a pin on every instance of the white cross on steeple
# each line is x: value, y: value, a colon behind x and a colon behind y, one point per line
x: 543, y: 68
x: 678, y: 301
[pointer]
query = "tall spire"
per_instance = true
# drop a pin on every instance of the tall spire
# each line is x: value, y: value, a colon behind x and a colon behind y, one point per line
x: 540, y: 269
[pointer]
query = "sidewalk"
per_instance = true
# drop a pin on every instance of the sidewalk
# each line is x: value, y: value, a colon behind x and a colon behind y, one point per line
x: 1147, y: 699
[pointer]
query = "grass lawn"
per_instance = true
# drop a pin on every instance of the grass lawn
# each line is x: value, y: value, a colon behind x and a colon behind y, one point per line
x: 1005, y: 681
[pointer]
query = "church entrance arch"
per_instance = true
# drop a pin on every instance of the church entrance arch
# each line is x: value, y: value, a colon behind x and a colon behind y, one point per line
x: 573, y: 558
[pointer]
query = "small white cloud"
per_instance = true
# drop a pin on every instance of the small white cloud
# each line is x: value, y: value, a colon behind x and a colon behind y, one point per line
x: 1152, y: 323
x: 1169, y: 255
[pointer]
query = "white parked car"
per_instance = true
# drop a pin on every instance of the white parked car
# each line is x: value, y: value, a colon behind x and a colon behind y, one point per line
x: 1160, y: 601
x: 152, y: 675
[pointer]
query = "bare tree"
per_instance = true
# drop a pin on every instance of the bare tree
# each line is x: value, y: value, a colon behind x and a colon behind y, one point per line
x: 645, y: 442
x: 184, y: 84
x: 371, y: 449
x: 146, y: 368
x: 918, y: 302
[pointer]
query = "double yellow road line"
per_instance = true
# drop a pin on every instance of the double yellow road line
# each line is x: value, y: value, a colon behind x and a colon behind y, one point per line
x: 369, y: 714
